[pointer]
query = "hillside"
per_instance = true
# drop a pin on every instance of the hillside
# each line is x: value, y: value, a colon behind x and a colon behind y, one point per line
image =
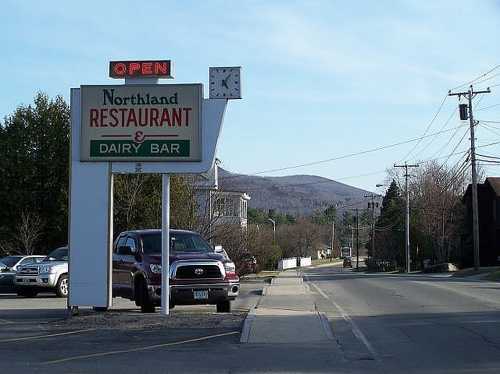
x: 299, y: 195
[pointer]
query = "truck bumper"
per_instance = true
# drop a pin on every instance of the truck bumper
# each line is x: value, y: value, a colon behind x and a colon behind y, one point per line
x: 184, y: 294
x: 37, y: 281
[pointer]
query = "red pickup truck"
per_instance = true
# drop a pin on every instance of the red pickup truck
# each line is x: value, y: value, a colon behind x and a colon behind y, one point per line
x: 198, y: 274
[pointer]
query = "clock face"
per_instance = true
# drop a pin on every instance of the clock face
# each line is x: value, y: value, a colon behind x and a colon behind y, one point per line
x: 225, y: 82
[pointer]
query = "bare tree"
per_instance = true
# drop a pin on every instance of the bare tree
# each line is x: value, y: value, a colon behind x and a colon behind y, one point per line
x: 436, y: 192
x: 29, y: 231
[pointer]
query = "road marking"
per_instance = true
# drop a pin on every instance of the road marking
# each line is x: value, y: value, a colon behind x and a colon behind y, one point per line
x: 44, y: 336
x: 5, y: 321
x: 149, y: 347
x: 354, y: 327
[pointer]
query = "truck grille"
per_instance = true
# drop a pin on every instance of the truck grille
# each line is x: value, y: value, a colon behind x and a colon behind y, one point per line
x: 32, y: 270
x: 198, y: 272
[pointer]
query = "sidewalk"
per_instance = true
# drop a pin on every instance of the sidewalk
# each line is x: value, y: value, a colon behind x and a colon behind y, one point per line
x: 286, y: 314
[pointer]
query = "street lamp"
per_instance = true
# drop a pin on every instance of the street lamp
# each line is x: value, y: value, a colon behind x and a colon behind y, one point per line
x: 274, y: 228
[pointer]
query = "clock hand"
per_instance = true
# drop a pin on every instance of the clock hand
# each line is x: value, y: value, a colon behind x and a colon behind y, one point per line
x: 224, y: 83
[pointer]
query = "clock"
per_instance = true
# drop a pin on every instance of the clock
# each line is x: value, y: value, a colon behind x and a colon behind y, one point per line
x: 225, y: 82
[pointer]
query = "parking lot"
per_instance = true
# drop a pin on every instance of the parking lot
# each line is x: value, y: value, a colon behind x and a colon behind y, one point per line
x: 36, y: 335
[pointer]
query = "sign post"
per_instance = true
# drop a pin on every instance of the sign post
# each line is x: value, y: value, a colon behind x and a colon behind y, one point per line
x: 165, y: 241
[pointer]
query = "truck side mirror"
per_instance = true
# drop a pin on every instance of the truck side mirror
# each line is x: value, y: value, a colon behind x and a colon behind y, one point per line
x: 218, y: 249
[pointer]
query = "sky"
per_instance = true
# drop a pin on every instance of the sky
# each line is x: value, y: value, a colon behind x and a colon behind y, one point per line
x: 321, y: 79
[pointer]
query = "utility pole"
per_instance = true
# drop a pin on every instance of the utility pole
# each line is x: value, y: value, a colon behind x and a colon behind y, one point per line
x: 357, y: 239
x: 407, y: 241
x: 470, y: 94
x: 333, y: 238
x: 372, y: 196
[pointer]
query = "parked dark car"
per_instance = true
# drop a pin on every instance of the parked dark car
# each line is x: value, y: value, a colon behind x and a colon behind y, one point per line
x: 198, y: 274
x: 347, y: 262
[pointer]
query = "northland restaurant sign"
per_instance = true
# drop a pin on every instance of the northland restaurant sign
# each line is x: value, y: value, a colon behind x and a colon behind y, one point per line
x: 141, y: 122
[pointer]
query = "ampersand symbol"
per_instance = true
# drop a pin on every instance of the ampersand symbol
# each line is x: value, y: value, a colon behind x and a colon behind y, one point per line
x: 139, y: 137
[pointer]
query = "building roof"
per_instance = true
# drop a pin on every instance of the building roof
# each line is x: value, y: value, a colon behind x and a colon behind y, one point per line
x: 494, y: 182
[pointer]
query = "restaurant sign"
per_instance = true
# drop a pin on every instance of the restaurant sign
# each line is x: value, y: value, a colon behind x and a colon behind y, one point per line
x: 141, y: 122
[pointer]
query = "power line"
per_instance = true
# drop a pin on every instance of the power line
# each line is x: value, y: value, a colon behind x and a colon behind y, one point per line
x: 371, y: 150
x: 453, y: 113
x: 371, y: 173
x: 488, y: 107
x: 478, y: 78
x: 455, y: 148
x: 482, y: 120
x: 427, y: 129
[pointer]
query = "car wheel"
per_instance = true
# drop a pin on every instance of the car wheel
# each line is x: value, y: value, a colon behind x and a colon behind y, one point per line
x: 224, y: 307
x: 28, y: 292
x: 62, y: 287
x: 146, y: 304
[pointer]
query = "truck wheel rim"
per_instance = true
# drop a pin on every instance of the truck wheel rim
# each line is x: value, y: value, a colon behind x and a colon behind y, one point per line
x: 64, y: 286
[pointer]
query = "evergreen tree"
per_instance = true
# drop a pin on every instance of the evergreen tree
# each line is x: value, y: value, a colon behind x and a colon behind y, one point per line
x: 389, y: 244
x: 34, y: 152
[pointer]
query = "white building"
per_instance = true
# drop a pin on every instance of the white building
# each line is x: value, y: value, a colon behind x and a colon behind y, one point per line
x: 216, y: 207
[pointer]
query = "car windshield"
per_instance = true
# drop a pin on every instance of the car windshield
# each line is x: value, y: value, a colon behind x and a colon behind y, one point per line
x: 179, y: 242
x: 11, y: 260
x: 59, y: 254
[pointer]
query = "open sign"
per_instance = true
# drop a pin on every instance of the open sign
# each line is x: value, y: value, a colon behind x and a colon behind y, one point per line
x: 155, y: 69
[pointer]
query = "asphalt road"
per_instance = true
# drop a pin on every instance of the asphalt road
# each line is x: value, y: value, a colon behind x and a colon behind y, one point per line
x: 381, y: 324
x: 411, y: 323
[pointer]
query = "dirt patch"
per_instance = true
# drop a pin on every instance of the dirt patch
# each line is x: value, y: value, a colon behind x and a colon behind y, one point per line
x: 130, y: 320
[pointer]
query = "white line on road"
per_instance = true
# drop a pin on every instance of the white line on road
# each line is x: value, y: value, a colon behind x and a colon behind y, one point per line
x: 354, y: 327
x: 149, y: 347
x: 43, y: 336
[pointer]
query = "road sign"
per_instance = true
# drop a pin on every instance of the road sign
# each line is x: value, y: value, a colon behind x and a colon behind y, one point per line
x: 141, y: 123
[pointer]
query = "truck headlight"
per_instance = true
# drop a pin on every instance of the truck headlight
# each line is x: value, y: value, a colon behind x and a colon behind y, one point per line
x: 230, y: 267
x: 155, y: 268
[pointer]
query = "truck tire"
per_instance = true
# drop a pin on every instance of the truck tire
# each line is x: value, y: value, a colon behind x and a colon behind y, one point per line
x: 26, y: 292
x: 142, y: 297
x: 224, y: 306
x: 62, y: 287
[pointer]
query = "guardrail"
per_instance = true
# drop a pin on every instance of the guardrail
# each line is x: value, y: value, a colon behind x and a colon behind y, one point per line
x: 287, y: 263
x: 305, y: 261
x: 290, y: 263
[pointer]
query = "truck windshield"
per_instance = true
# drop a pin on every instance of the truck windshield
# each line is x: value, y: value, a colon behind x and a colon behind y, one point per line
x: 59, y: 254
x: 179, y: 242
x: 11, y: 260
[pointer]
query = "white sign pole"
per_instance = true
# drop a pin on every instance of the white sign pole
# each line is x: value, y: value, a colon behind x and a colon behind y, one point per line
x: 165, y: 241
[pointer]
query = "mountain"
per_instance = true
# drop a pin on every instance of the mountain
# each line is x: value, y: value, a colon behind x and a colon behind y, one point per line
x: 299, y: 195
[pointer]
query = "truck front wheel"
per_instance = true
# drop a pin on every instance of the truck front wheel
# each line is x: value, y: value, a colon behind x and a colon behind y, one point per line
x: 143, y: 298
x: 62, y: 286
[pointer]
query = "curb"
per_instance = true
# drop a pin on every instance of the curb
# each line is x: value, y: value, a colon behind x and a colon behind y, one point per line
x: 247, y: 326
